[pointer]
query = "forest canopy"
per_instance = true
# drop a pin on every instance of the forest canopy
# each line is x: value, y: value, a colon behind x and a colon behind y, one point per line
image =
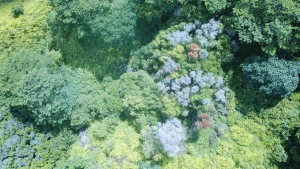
x: 149, y: 84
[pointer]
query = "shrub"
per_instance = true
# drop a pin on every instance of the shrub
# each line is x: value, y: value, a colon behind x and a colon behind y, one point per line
x: 220, y: 96
x: 208, y: 32
x: 84, y: 138
x: 278, y: 78
x: 203, y: 54
x: 183, y: 96
x: 17, y: 11
x: 170, y: 66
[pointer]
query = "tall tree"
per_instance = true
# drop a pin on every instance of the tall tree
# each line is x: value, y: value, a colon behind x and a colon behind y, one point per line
x: 111, y: 21
x: 271, y: 24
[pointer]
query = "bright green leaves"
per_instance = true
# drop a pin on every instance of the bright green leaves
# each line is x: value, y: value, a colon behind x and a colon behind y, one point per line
x: 282, y: 118
x: 171, y: 107
x: 177, y: 53
x: 101, y: 129
x: 140, y: 94
x: 120, y: 149
x: 215, y: 6
x: 241, y: 136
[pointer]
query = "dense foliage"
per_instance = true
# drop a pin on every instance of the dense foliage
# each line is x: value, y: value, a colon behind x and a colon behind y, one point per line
x: 23, y: 145
x: 54, y: 93
x: 276, y: 77
x: 99, y: 19
x: 149, y: 84
x: 272, y: 24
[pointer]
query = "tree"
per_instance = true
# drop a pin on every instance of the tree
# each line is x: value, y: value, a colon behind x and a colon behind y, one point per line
x: 17, y: 11
x: 140, y: 97
x: 276, y: 77
x: 111, y: 21
x: 271, y: 24
x: 153, y: 10
x: 214, y: 6
x: 140, y: 94
x: 53, y: 92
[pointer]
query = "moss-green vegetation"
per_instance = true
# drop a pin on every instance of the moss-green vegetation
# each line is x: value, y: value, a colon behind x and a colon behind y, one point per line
x: 26, y: 31
x: 149, y: 84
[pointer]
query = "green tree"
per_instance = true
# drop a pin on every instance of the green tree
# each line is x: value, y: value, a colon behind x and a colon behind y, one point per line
x: 24, y: 145
x: 17, y: 11
x: 111, y: 21
x: 276, y: 77
x: 136, y: 96
x: 153, y: 10
x: 271, y: 24
x: 215, y: 6
x: 53, y: 92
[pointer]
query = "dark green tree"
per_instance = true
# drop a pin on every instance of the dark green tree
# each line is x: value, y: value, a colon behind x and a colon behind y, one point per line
x: 17, y: 11
x: 295, y: 149
x: 111, y: 21
x: 153, y: 10
x: 52, y: 92
x: 276, y: 77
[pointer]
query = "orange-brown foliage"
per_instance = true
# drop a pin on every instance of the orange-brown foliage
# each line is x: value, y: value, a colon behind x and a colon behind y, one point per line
x: 194, y: 47
x: 205, y: 123
x: 193, y: 53
x: 205, y: 120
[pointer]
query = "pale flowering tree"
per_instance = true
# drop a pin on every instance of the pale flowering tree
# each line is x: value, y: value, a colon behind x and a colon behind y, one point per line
x: 84, y: 138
